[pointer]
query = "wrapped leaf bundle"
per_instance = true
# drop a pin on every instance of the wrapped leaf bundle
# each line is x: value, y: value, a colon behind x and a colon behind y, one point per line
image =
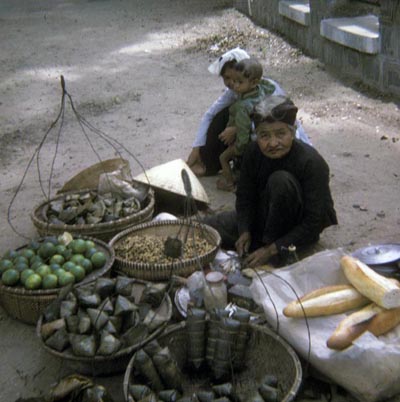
x: 196, y: 330
x: 109, y: 344
x: 168, y: 369
x: 59, y: 340
x: 243, y: 316
x: 169, y: 395
x: 205, y: 396
x: 139, y: 391
x: 104, y: 287
x: 83, y: 345
x: 153, y: 294
x: 224, y: 347
x: 152, y: 348
x: 147, y: 370
x: 213, y: 325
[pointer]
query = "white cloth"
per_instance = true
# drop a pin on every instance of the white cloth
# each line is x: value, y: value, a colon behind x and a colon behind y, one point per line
x: 233, y: 54
x: 225, y: 100
x: 369, y: 369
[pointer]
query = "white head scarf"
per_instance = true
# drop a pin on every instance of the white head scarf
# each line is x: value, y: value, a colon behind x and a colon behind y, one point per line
x: 234, y: 54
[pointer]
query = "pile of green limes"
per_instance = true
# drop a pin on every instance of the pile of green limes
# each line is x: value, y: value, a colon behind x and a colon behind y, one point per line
x: 51, y: 263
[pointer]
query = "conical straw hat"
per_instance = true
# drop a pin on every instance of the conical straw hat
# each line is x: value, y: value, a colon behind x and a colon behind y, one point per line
x: 168, y: 177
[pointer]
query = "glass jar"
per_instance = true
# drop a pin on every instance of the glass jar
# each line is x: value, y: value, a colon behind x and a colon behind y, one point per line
x: 215, y: 293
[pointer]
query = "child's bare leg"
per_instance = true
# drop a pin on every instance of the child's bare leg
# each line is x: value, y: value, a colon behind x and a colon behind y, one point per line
x: 228, y: 183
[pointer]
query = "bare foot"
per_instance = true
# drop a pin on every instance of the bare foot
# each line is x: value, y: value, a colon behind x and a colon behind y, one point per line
x: 225, y: 185
x: 198, y: 169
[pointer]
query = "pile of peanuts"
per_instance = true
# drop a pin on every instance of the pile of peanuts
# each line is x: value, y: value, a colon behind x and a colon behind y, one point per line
x: 150, y: 249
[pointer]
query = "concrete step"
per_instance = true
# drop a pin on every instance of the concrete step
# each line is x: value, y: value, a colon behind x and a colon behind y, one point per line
x: 359, y: 33
x: 298, y: 11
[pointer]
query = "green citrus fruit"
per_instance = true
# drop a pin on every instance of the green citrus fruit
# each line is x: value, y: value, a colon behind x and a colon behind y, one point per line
x: 78, y: 272
x: 10, y: 254
x: 36, y: 265
x: 47, y: 250
x: 27, y: 253
x: 5, y: 264
x: 57, y: 259
x: 33, y: 282
x: 78, y: 246
x: 10, y: 277
x: 50, y: 281
x: 35, y: 258
x: 68, y: 265
x: 61, y: 249
x: 43, y: 270
x: 21, y: 259
x: 90, y: 244
x: 98, y: 259
x: 77, y: 258
x: 34, y: 245
x: 55, y: 267
x: 21, y: 266
x: 90, y: 252
x: 66, y: 279
x: 24, y: 275
x: 59, y: 272
x: 87, y: 265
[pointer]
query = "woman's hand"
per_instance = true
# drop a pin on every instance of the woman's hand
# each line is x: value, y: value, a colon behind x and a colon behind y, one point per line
x: 228, y: 136
x: 243, y: 244
x: 260, y: 256
x: 194, y: 157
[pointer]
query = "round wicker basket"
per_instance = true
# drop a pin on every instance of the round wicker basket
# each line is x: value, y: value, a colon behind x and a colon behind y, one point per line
x: 163, y: 229
x: 27, y: 305
x: 116, y: 363
x: 267, y: 353
x: 103, y: 231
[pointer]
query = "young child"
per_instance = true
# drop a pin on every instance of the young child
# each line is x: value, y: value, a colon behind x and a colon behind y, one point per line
x: 237, y: 135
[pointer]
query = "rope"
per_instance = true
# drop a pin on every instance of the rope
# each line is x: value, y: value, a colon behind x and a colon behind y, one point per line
x: 85, y: 128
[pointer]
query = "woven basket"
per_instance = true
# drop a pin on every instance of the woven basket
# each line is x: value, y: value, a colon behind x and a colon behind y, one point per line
x: 267, y: 353
x: 103, y: 231
x: 107, y: 365
x: 27, y: 305
x: 163, y: 229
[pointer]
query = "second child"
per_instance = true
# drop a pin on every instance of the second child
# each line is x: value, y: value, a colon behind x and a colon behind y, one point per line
x: 248, y: 84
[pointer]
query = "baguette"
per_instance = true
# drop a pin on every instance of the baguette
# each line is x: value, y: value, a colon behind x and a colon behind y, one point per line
x: 384, y: 321
x: 351, y: 327
x: 372, y: 318
x: 383, y: 291
x: 325, y: 301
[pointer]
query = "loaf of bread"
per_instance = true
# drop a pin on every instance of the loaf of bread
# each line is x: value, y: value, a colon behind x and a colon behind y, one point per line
x: 384, y: 321
x: 351, y: 327
x: 383, y: 291
x: 326, y: 301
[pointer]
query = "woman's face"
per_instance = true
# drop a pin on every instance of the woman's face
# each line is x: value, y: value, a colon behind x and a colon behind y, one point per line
x: 228, y: 76
x: 275, y: 139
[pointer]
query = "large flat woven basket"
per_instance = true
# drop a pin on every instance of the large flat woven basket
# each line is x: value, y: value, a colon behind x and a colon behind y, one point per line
x: 267, y: 353
x: 163, y: 229
x: 116, y: 363
x: 103, y: 231
x: 27, y: 305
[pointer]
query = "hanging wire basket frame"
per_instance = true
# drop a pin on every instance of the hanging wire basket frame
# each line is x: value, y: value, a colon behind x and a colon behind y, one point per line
x: 85, y: 127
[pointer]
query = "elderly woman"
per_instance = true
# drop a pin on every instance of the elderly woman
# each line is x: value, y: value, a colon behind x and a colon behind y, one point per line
x: 283, y: 196
x: 208, y: 143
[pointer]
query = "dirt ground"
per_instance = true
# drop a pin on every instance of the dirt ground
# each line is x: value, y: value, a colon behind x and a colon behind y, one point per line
x: 137, y: 71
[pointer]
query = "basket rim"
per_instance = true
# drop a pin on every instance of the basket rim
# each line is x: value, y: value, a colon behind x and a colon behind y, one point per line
x: 85, y: 281
x: 102, y: 225
x: 120, y: 353
x: 169, y: 265
x: 289, y: 396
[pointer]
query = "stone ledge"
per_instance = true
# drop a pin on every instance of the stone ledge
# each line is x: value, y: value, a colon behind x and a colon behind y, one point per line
x: 298, y: 11
x: 359, y: 33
